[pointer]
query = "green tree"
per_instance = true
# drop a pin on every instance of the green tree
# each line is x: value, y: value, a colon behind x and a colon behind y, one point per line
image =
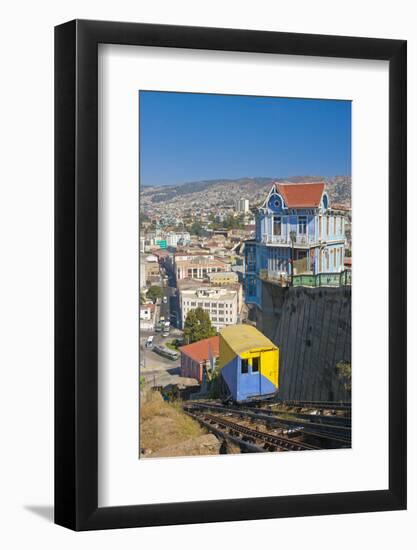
x: 155, y: 292
x: 197, y: 326
x: 344, y: 372
x: 196, y: 229
x: 230, y: 222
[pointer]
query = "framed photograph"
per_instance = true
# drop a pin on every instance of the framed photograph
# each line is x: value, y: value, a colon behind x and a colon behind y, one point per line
x: 230, y: 254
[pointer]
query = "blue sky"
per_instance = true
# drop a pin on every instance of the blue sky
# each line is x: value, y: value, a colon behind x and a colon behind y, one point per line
x: 192, y: 137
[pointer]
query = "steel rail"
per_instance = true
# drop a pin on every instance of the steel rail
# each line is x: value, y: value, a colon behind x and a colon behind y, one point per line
x: 323, y: 405
x: 267, y: 438
x: 333, y: 433
x: 330, y: 421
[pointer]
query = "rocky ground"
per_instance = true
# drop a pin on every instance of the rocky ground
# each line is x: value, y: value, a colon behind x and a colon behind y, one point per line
x: 166, y: 431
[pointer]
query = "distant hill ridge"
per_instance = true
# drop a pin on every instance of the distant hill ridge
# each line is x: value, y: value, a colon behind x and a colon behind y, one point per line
x: 338, y: 187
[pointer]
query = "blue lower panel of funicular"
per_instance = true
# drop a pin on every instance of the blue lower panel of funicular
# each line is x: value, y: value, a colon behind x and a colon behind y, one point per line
x: 244, y: 386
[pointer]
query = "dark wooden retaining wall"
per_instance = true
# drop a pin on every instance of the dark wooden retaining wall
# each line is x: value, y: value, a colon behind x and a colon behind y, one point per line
x: 312, y: 327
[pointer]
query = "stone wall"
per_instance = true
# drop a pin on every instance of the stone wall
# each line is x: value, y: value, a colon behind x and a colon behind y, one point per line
x: 312, y: 327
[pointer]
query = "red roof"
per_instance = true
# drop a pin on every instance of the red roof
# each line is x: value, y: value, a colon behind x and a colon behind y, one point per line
x: 301, y: 195
x: 199, y: 351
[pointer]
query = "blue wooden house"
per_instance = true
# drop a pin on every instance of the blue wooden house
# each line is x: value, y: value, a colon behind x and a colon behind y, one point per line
x: 297, y: 232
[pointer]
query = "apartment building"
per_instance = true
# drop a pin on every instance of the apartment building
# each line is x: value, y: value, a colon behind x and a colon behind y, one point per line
x: 178, y: 239
x: 198, y: 266
x: 242, y: 205
x: 221, y: 304
x: 149, y: 270
x: 222, y: 278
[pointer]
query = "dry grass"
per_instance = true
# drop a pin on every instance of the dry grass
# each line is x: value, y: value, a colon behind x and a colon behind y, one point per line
x: 164, y: 424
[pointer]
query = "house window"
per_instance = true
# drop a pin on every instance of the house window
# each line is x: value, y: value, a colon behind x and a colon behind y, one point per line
x: 245, y: 366
x: 255, y: 364
x: 277, y: 225
x: 302, y: 225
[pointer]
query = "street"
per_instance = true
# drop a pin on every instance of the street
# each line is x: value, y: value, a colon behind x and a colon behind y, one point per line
x: 158, y: 370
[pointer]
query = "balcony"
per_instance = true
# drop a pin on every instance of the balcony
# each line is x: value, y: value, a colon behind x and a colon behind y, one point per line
x: 300, y: 241
x: 284, y: 240
x: 280, y: 278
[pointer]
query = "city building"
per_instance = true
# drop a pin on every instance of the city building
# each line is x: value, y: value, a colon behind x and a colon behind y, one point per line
x: 177, y: 239
x: 242, y: 205
x: 142, y: 272
x: 198, y: 356
x: 151, y: 270
x: 220, y: 303
x: 146, y: 311
x: 198, y: 266
x: 162, y: 243
x: 297, y: 232
x: 194, y: 284
x: 147, y: 316
x: 222, y: 278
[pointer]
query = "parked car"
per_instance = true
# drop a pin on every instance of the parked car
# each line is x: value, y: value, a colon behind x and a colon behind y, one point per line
x: 165, y: 299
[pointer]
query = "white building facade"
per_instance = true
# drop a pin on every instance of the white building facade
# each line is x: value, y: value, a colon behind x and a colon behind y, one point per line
x: 242, y: 205
x: 175, y: 239
x: 221, y: 305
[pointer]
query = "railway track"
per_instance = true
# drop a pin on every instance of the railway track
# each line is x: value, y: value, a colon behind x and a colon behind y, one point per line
x: 336, y: 434
x: 323, y: 419
x: 249, y: 438
x: 318, y: 405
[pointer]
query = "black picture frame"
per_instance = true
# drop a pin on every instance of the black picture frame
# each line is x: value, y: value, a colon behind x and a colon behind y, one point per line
x: 76, y: 272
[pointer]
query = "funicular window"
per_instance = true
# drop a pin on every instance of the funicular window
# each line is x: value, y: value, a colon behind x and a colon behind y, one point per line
x: 245, y: 366
x: 255, y: 364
